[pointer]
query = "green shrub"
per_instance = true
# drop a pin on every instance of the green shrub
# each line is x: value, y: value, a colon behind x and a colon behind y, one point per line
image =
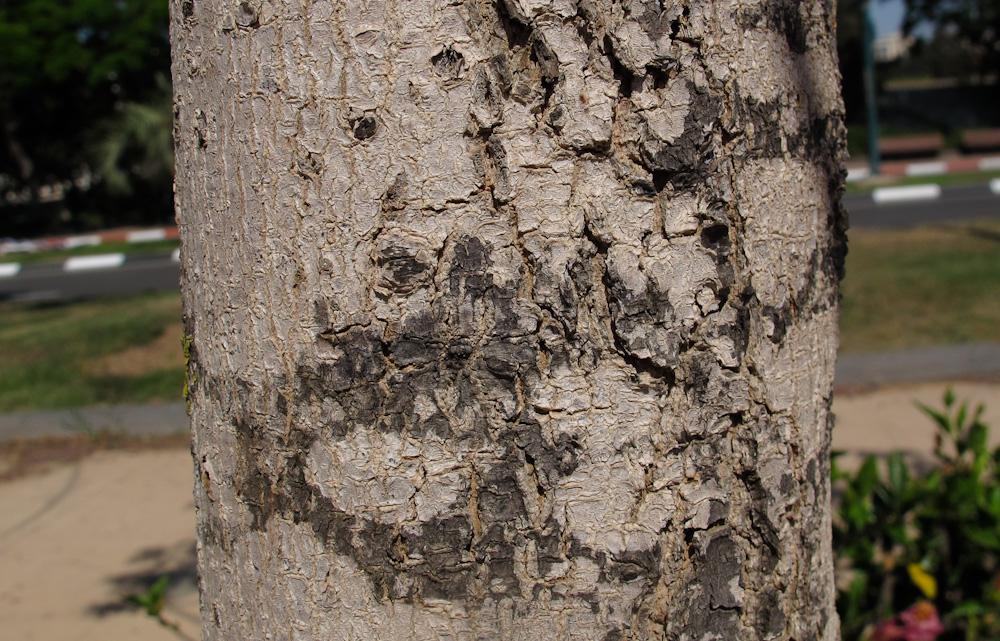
x: 902, y: 540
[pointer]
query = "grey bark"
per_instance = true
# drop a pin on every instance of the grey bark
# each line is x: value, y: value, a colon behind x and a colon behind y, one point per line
x: 511, y: 320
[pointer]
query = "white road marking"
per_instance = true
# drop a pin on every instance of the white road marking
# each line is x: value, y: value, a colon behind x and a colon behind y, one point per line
x: 986, y: 164
x: 145, y: 235
x: 9, y: 269
x: 926, y: 168
x: 175, y: 256
x: 98, y: 261
x: 858, y: 173
x: 82, y: 241
x: 911, y: 192
x: 995, y: 186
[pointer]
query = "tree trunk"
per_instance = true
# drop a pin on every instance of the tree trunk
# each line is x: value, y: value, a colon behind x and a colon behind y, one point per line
x: 513, y: 319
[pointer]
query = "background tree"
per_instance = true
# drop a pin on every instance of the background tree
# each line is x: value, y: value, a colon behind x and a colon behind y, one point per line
x: 976, y: 23
x: 66, y: 70
x: 511, y: 320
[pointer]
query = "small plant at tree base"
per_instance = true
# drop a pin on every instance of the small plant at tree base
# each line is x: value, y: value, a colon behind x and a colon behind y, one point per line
x: 152, y: 602
x: 909, y: 547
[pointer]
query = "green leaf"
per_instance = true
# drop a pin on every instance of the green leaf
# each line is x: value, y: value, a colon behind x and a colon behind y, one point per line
x: 969, y: 608
x: 867, y: 477
x: 944, y: 423
x: 985, y: 537
x: 899, y: 477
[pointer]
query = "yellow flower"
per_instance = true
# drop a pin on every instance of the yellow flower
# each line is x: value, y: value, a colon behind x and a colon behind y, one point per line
x: 923, y: 580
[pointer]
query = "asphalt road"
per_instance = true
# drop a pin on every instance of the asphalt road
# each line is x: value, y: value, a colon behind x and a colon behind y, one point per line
x: 151, y: 273
x: 955, y: 203
x: 48, y: 281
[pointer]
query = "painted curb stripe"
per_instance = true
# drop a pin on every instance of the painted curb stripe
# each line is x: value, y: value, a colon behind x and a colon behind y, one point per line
x: 987, y: 164
x: 145, y: 235
x: 926, y: 168
x: 913, y: 192
x: 82, y: 241
x: 9, y: 269
x: 858, y: 173
x: 995, y: 186
x: 99, y: 261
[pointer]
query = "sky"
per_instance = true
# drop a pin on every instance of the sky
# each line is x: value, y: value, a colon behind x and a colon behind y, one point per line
x: 888, y: 16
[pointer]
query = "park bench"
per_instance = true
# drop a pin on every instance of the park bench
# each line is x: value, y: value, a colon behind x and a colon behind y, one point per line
x: 980, y: 140
x: 910, y: 146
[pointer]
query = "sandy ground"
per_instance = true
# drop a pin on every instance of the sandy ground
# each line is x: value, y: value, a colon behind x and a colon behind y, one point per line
x: 75, y: 537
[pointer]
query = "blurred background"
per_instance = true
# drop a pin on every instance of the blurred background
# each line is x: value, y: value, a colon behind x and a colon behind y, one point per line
x: 92, y: 417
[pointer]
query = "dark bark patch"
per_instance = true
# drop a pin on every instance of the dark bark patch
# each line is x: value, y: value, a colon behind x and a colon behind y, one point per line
x: 770, y: 616
x: 247, y: 16
x: 401, y: 269
x: 501, y: 67
x: 395, y: 196
x: 788, y: 21
x: 364, y: 127
x: 187, y: 8
x: 685, y: 162
x: 715, y: 237
x: 626, y: 79
x: 720, y: 569
x: 499, y: 175
x: 547, y: 61
x: 631, y: 565
x: 781, y: 319
x: 448, y: 63
x: 308, y: 165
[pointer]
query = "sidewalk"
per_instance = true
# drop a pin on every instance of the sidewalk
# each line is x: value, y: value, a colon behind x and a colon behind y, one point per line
x: 76, y: 537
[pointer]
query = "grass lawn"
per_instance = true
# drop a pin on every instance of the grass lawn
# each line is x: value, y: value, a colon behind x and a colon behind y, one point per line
x: 154, y: 247
x: 922, y: 286
x: 904, y: 288
x: 125, y: 350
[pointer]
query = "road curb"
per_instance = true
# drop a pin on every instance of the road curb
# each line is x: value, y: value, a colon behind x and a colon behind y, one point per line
x: 926, y: 168
x: 144, y: 235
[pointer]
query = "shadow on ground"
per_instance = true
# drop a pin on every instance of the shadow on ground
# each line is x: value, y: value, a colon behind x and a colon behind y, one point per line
x: 177, y: 562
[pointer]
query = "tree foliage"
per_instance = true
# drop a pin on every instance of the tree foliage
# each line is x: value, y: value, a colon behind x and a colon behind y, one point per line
x: 974, y: 23
x: 67, y: 70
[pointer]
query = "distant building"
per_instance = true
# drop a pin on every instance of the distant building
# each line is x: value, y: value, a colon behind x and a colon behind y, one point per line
x: 892, y: 47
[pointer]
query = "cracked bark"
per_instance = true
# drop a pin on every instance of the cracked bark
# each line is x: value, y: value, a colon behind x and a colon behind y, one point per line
x: 511, y: 320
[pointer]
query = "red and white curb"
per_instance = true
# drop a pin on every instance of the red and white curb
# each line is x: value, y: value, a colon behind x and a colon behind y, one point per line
x: 93, y: 261
x: 927, y: 168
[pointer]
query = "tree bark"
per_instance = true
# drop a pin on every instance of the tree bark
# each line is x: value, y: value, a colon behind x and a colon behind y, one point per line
x: 511, y: 320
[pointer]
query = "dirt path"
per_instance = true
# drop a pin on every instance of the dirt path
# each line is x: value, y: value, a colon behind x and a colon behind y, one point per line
x: 76, y: 536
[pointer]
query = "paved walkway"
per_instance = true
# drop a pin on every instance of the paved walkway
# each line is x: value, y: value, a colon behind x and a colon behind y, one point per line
x: 941, y: 363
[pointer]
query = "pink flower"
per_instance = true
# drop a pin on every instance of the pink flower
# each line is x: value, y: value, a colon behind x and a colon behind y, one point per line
x: 919, y: 622
x: 889, y: 631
